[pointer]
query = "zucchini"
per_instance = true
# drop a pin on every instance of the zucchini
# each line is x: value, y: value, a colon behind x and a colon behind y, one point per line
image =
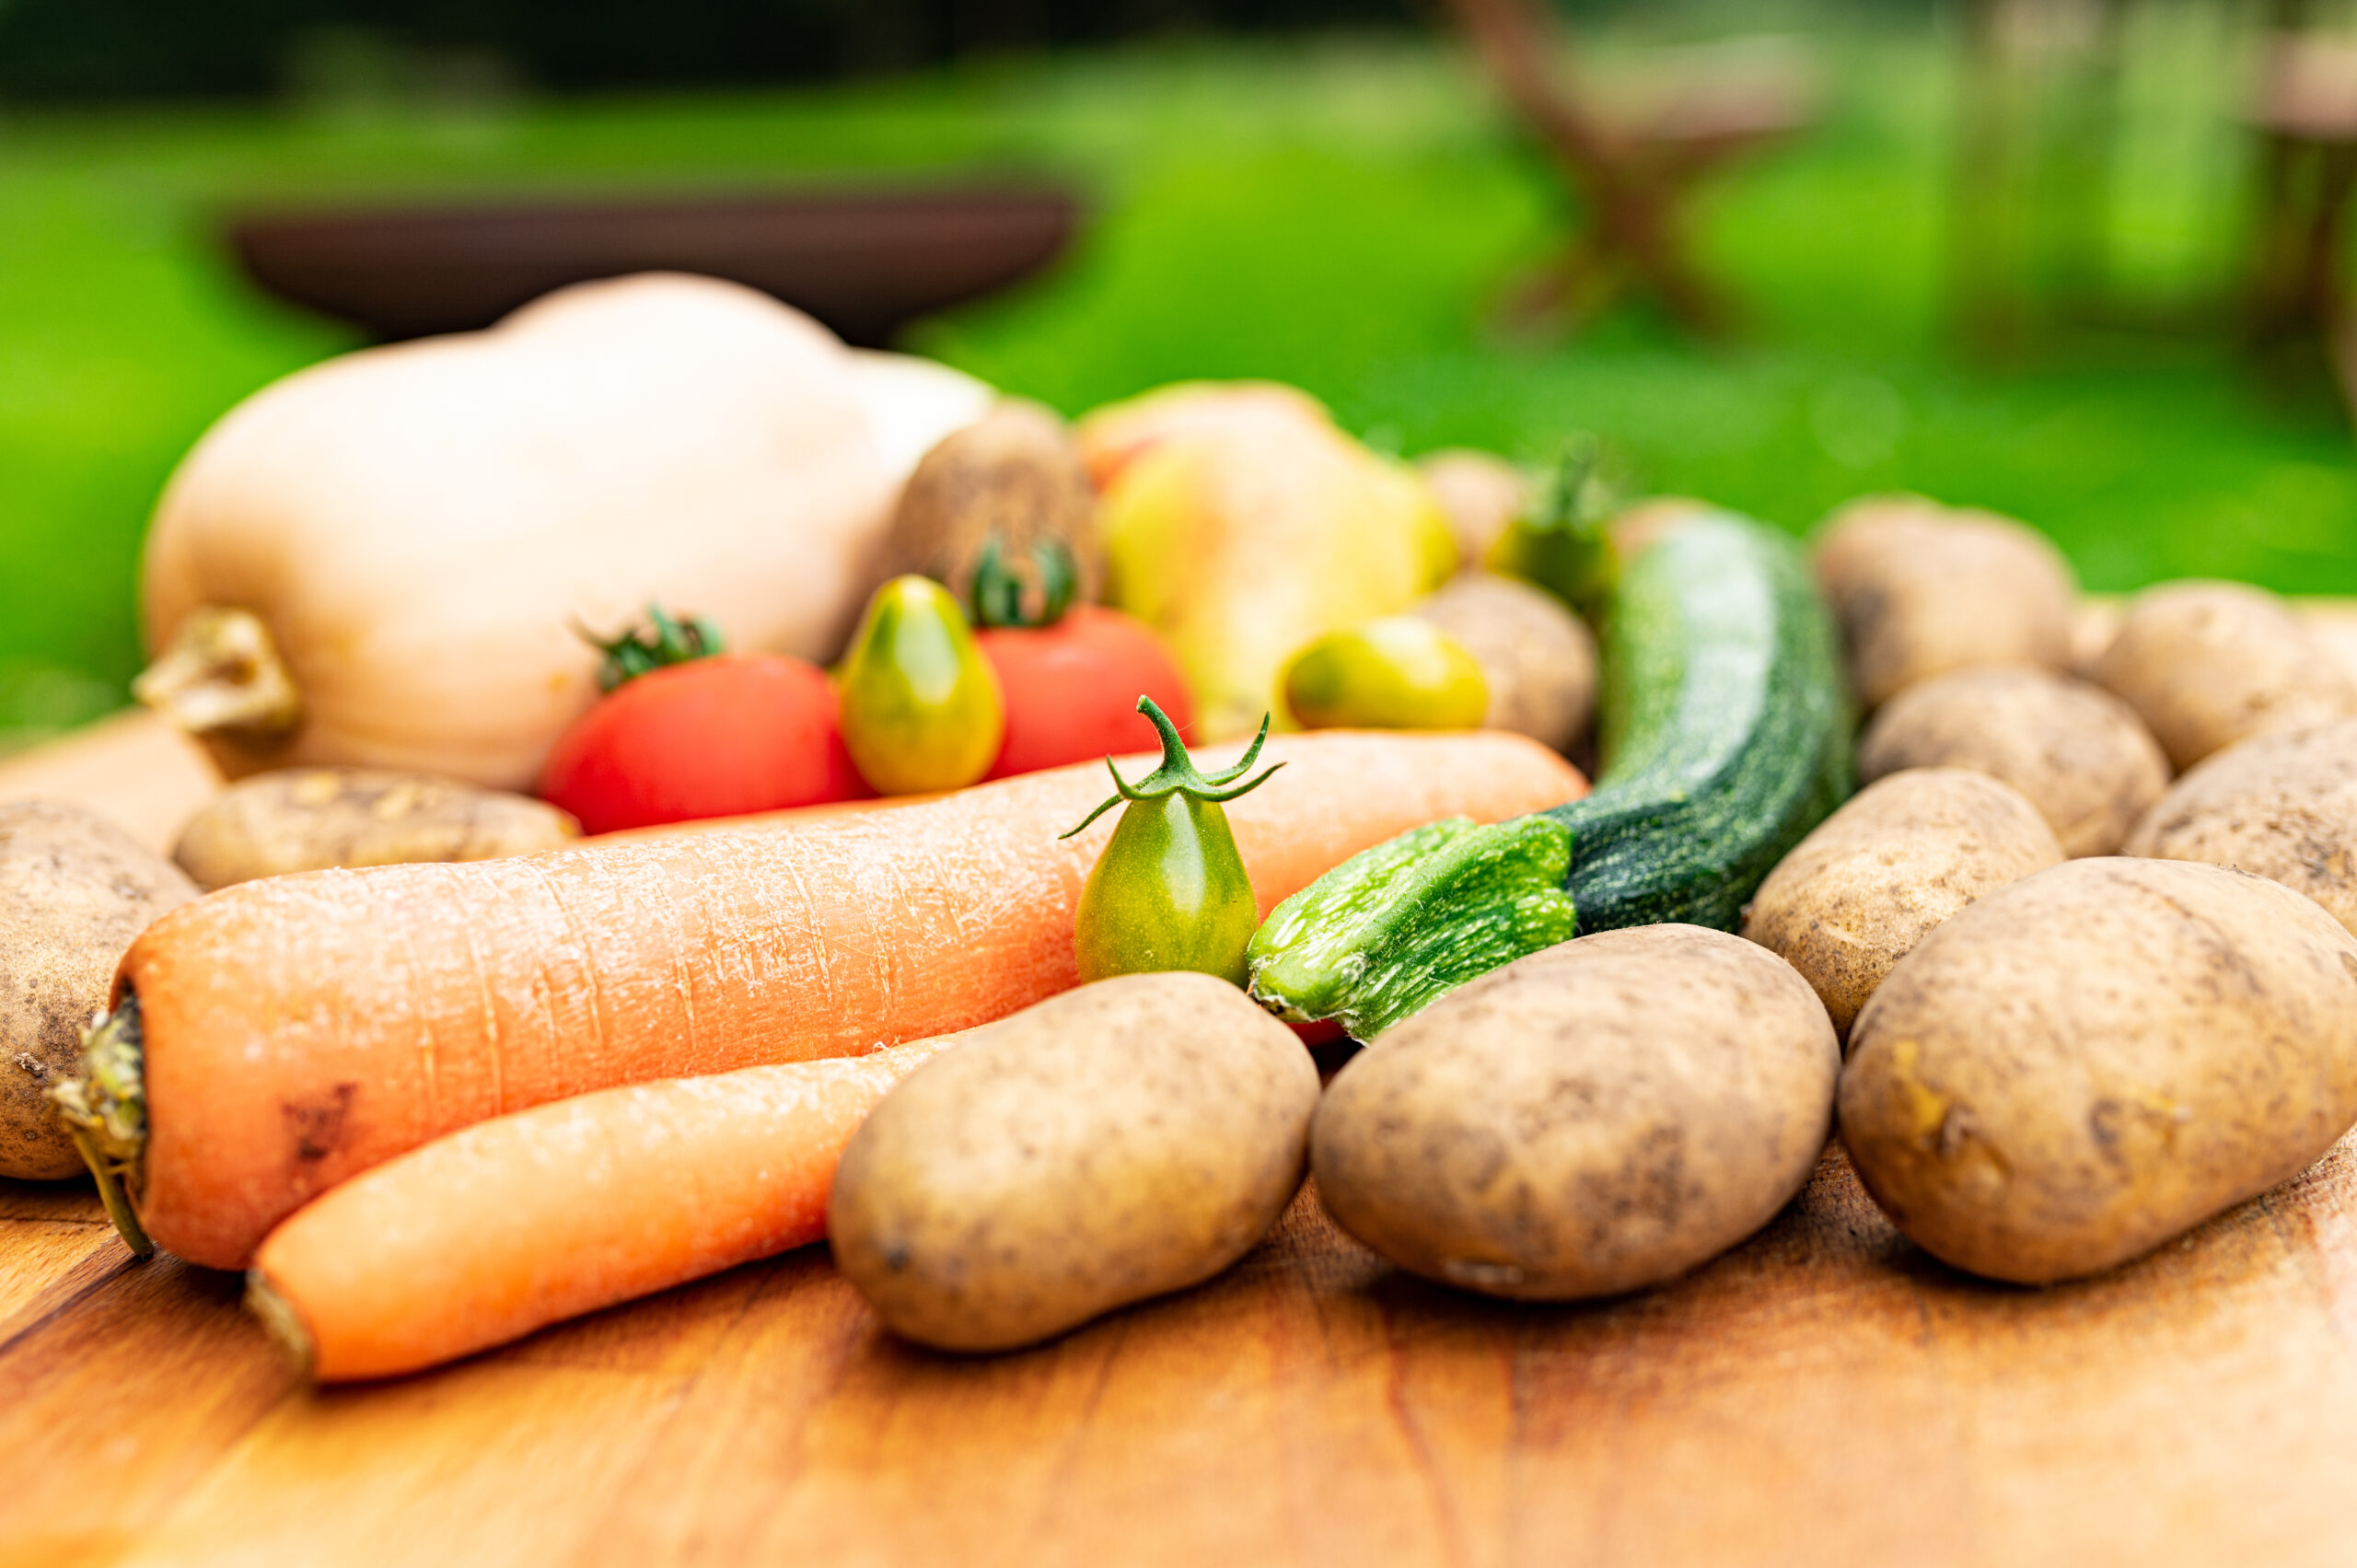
x: 1726, y: 737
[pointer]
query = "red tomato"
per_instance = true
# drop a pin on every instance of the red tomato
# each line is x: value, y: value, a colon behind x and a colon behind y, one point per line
x: 715, y: 736
x: 1072, y: 689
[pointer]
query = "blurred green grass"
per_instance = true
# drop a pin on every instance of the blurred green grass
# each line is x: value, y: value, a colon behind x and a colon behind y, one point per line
x: 1333, y: 214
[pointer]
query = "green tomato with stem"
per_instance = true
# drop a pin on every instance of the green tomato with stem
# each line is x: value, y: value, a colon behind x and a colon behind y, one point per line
x: 1170, y: 891
x: 921, y: 708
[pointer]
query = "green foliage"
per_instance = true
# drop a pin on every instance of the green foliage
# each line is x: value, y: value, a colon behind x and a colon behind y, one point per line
x: 1334, y: 214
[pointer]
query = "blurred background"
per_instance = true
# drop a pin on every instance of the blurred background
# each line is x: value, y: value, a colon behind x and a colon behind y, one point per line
x: 2075, y: 260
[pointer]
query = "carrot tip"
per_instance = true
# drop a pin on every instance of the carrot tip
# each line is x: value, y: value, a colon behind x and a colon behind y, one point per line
x: 280, y: 1317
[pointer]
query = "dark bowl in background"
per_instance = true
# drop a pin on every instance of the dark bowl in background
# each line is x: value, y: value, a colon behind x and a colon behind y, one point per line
x: 863, y: 263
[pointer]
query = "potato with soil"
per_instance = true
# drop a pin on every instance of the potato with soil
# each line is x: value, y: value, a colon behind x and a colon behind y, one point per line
x: 2208, y: 663
x: 2282, y: 805
x: 2098, y: 1058
x: 2084, y: 758
x: 1591, y: 1118
x: 1016, y: 475
x: 1539, y: 658
x: 1117, y: 1142
x: 1922, y: 589
x: 311, y: 818
x: 74, y: 889
x: 1876, y: 877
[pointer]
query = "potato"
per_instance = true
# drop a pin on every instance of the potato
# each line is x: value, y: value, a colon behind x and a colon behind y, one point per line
x: 2208, y: 663
x: 2283, y: 806
x: 2098, y: 1058
x: 2081, y: 754
x: 1905, y: 853
x: 1921, y: 590
x: 310, y: 818
x: 1115, y: 1142
x: 1480, y: 494
x: 1538, y: 656
x: 74, y: 889
x: 1593, y: 1118
x: 1015, y: 475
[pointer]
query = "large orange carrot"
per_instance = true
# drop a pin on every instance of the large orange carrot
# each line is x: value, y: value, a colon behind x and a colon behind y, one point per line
x: 299, y: 1029
x: 503, y: 1228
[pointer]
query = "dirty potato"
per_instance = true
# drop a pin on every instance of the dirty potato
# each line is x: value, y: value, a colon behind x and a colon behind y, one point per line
x: 311, y: 818
x: 1873, y: 879
x: 1480, y: 494
x: 74, y: 889
x: 2098, y: 1058
x: 1588, y: 1119
x: 2283, y: 806
x: 2084, y: 758
x: 1536, y: 655
x: 1115, y: 1142
x: 1016, y: 475
x: 1922, y: 589
x: 2208, y: 663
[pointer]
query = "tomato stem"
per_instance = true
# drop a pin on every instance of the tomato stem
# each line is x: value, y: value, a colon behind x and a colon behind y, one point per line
x: 997, y: 593
x: 665, y: 640
x: 1178, y: 773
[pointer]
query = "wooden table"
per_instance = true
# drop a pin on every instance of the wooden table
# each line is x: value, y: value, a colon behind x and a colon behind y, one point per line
x: 1825, y: 1394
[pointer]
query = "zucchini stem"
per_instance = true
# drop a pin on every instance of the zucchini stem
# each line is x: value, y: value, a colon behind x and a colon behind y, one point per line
x: 105, y: 1112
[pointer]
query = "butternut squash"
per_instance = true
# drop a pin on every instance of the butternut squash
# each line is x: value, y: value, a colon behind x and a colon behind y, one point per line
x: 382, y: 561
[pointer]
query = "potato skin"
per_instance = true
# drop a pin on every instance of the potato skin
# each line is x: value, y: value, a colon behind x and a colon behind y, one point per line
x: 2282, y: 805
x: 311, y: 818
x: 1115, y: 1142
x: 2098, y: 1058
x: 2208, y: 663
x: 1876, y: 877
x: 1015, y: 474
x: 1920, y: 589
x: 1591, y: 1118
x: 74, y: 889
x: 1539, y: 659
x: 2080, y: 754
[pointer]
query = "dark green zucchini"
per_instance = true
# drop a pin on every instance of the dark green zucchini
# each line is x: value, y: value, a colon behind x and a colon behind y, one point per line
x: 1726, y: 737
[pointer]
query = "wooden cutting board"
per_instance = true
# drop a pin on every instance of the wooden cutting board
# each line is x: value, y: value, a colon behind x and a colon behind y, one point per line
x: 1825, y: 1394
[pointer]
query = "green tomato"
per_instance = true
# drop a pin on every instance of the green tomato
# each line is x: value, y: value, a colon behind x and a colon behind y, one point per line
x: 1170, y: 891
x: 1397, y: 673
x: 921, y: 708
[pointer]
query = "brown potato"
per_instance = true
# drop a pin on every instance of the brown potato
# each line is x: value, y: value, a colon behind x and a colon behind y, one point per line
x: 2098, y: 1058
x: 1591, y: 1118
x: 1920, y: 590
x: 1120, y: 1141
x: 74, y: 889
x: 2283, y: 806
x: 1538, y: 657
x: 2081, y: 754
x: 1480, y: 494
x: 311, y: 818
x: 2208, y: 663
x: 1902, y: 855
x: 1015, y: 475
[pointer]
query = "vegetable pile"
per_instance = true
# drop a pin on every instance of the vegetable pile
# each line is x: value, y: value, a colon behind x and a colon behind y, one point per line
x: 824, y: 654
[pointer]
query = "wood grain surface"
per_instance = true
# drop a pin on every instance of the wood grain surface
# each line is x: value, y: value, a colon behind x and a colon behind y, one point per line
x: 1825, y: 1394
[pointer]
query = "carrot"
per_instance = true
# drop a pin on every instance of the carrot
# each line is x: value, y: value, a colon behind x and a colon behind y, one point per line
x: 503, y: 1228
x: 283, y: 1035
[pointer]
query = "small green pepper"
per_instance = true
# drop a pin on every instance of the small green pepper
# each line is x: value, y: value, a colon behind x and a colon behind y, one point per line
x: 1170, y: 891
x: 921, y: 709
x: 1400, y: 672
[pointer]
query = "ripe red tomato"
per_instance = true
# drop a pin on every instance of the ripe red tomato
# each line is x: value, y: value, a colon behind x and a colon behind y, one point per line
x: 1072, y: 689
x: 715, y: 736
